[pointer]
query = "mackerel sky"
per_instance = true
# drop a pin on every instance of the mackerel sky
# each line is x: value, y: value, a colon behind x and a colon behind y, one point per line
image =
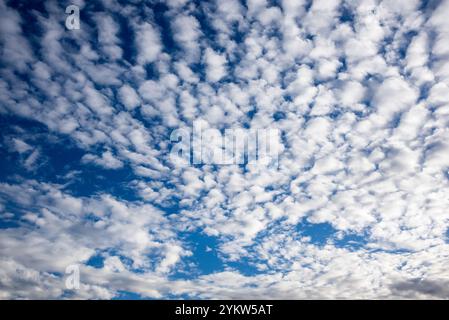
x: 356, y: 208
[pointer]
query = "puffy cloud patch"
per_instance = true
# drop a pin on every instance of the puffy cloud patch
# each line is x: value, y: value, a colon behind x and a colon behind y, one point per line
x: 355, y: 208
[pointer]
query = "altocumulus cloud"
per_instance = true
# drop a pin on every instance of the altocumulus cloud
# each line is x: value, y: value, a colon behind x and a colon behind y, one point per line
x: 357, y: 208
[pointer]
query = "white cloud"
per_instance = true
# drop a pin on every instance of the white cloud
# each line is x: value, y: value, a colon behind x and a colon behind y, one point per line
x: 148, y: 43
x: 129, y: 97
x: 362, y: 106
x: 186, y: 32
x: 107, y: 160
x: 216, y: 65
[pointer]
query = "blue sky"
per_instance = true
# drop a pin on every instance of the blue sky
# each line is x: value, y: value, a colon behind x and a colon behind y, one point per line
x: 355, y: 208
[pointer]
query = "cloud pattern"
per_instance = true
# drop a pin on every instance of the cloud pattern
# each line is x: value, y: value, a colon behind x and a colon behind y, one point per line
x: 358, y: 207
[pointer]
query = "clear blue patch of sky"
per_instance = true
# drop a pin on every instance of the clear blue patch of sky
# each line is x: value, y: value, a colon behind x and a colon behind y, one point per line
x: 319, y: 233
x: 58, y: 158
x: 204, y: 258
x: 324, y: 233
x: 244, y: 266
x: 127, y: 295
x: 96, y: 261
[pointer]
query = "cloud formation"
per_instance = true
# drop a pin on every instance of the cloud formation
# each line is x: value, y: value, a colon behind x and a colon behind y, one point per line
x: 357, y: 207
